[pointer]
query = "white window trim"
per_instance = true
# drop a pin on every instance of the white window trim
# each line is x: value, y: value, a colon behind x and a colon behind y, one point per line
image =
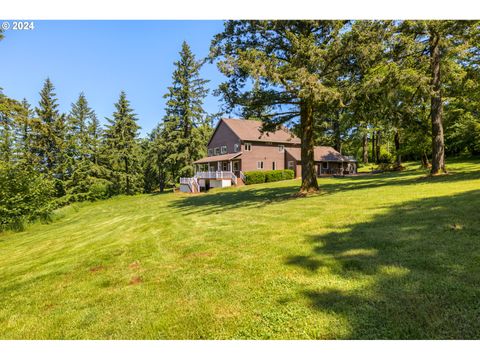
x: 281, y: 148
x: 223, y: 149
x: 249, y: 146
x: 291, y: 164
x: 325, y: 162
x: 258, y: 163
x: 210, y: 152
x: 236, y: 147
x: 216, y: 151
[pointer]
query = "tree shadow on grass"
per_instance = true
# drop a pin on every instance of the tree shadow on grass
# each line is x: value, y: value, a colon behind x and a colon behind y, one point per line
x: 408, y: 177
x: 412, y: 273
x: 219, y: 201
x: 258, y: 196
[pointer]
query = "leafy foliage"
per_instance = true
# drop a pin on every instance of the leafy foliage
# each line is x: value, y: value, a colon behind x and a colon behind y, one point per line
x: 25, y: 195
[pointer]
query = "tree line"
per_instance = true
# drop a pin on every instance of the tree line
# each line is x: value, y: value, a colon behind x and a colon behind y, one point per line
x: 381, y: 91
x: 49, y: 159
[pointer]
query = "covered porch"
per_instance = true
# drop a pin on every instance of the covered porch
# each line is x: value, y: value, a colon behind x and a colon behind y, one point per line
x: 324, y: 168
x: 219, y: 164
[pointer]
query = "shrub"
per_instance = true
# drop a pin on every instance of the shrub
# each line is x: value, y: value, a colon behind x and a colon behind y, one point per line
x: 100, y: 189
x: 273, y: 175
x: 258, y: 177
x: 254, y: 177
x: 25, y: 196
x: 386, y: 157
x: 288, y: 174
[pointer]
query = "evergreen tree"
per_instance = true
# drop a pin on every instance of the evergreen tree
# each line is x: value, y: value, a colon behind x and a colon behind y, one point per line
x: 50, y: 143
x: 123, y: 151
x: 10, y: 110
x: 24, y: 134
x: 292, y: 64
x: 84, y: 142
x: 185, y: 115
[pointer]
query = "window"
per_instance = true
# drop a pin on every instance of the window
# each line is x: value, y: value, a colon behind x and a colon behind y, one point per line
x: 210, y: 152
x: 324, y: 165
x: 223, y: 149
x: 281, y: 148
x: 225, y: 166
x: 260, y: 165
x: 217, y: 151
x: 248, y: 146
x: 290, y: 165
x: 236, y: 147
x: 274, y: 166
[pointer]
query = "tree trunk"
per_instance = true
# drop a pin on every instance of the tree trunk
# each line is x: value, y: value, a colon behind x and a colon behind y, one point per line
x: 161, y: 174
x: 373, y: 147
x: 377, y: 145
x: 438, y: 145
x: 338, y: 139
x: 365, y: 149
x: 425, y: 162
x: 309, y: 177
x: 397, y: 148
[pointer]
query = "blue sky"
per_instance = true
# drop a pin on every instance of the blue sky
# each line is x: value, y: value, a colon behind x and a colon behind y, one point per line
x: 102, y: 58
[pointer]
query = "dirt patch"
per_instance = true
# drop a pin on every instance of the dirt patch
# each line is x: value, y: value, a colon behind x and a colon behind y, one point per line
x: 135, y: 280
x: 97, y: 268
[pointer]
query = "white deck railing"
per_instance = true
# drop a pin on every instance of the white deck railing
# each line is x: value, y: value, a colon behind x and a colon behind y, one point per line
x: 214, y: 175
x: 192, y: 184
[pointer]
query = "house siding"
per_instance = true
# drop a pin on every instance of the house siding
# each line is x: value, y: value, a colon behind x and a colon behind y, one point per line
x: 224, y: 136
x: 268, y: 153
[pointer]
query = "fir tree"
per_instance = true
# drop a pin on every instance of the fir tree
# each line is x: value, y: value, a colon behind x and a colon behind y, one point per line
x: 24, y: 134
x: 10, y: 110
x: 45, y: 140
x: 185, y: 114
x: 122, y: 147
x: 84, y: 141
x: 291, y: 64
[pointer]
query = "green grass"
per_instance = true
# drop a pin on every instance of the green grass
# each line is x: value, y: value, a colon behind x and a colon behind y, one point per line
x: 392, y: 255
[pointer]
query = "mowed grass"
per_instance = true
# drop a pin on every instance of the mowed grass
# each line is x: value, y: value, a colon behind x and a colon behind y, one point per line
x: 380, y: 256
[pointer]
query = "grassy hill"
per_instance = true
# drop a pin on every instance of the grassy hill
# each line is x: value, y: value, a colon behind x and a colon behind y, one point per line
x: 378, y: 256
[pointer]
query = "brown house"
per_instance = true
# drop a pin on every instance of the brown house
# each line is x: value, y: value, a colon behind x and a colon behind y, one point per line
x: 239, y: 145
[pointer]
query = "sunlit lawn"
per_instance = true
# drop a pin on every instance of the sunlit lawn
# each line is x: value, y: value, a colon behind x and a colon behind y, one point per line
x: 378, y: 256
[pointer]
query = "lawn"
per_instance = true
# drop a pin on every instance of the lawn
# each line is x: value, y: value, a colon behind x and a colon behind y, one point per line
x: 379, y: 256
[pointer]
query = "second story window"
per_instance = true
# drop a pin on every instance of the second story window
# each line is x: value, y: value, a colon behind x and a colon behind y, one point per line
x: 281, y: 148
x: 210, y: 152
x: 223, y: 149
x: 248, y: 146
x: 216, y: 151
x: 260, y: 165
x: 236, y: 147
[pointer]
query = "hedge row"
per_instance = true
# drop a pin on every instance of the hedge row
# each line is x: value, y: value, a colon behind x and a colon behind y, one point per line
x: 258, y: 177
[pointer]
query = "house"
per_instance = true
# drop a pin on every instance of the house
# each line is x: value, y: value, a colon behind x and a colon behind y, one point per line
x: 238, y: 145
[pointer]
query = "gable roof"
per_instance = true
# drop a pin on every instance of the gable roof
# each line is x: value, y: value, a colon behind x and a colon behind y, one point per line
x: 320, y: 153
x: 249, y: 130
